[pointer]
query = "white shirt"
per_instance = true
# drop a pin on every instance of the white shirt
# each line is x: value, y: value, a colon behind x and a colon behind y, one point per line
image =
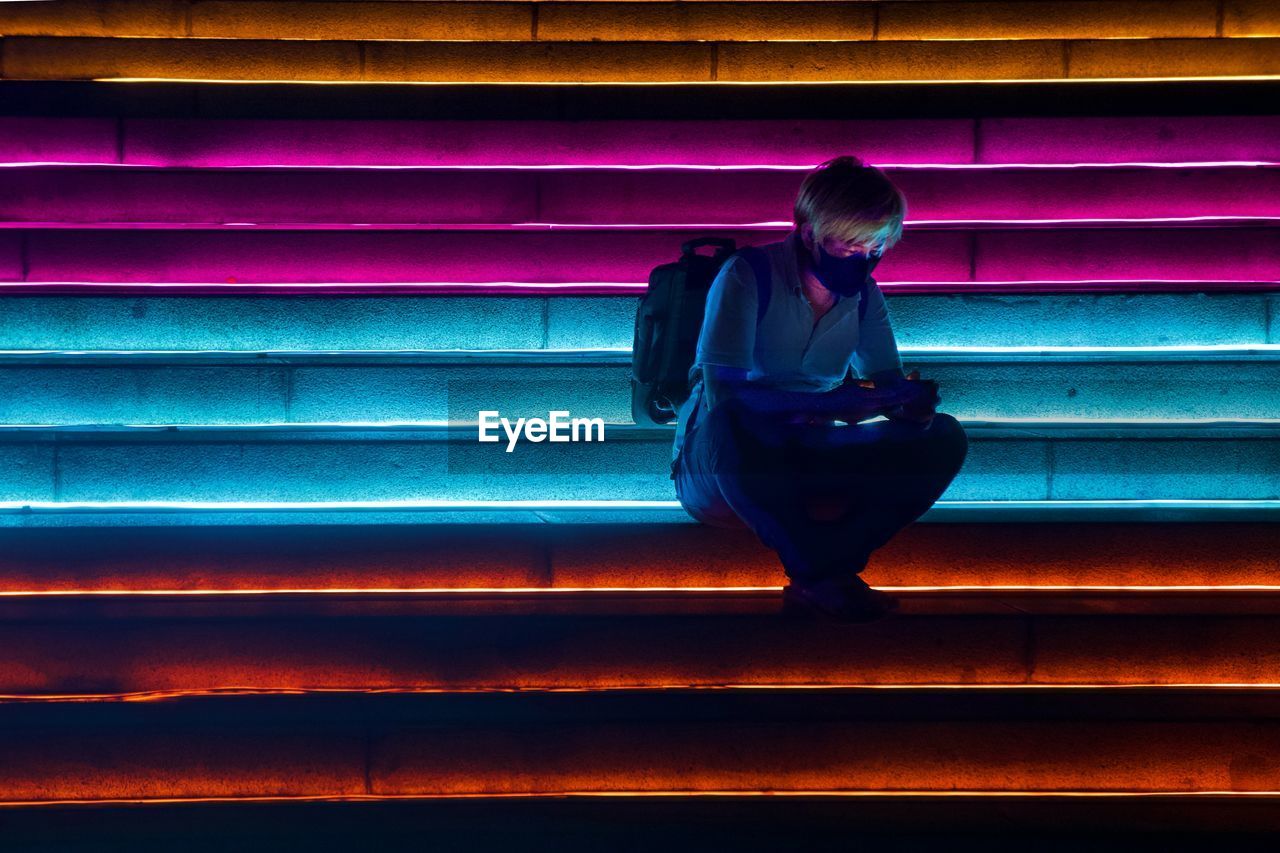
x: 786, y: 350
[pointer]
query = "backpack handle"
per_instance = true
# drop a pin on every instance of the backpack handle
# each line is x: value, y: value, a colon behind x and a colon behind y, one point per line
x: 724, y: 244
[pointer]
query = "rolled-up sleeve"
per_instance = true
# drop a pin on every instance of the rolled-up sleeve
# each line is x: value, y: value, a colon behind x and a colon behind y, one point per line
x: 728, y: 334
x: 877, y: 348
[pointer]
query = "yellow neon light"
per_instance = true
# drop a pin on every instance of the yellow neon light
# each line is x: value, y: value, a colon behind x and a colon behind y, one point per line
x: 1010, y: 687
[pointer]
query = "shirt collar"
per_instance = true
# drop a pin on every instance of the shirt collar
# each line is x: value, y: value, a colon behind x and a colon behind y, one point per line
x: 794, y: 247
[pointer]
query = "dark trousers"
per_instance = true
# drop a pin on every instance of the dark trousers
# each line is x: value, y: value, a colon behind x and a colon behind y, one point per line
x: 738, y: 469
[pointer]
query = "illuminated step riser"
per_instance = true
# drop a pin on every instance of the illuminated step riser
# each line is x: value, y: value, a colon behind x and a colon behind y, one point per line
x: 796, y: 143
x: 438, y: 322
x: 610, y: 21
x: 402, y: 467
x: 1049, y: 60
x: 399, y: 391
x: 243, y: 758
x: 49, y: 197
x: 754, y: 818
x: 655, y: 555
x: 137, y: 255
x: 98, y: 652
x: 70, y: 658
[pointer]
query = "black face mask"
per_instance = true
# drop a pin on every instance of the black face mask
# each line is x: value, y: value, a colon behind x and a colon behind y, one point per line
x: 844, y: 276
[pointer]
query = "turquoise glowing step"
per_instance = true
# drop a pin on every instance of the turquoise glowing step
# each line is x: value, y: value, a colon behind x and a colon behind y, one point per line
x: 383, y: 387
x: 327, y: 322
x: 1042, y: 461
x: 446, y: 514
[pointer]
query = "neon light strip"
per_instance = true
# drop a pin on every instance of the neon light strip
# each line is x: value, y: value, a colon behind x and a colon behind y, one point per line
x: 549, y: 505
x: 475, y: 285
x: 926, y: 223
x: 696, y: 83
x: 1121, y: 285
x: 228, y: 38
x: 1047, y: 591
x: 647, y: 167
x: 680, y: 793
x: 285, y: 506
x: 97, y: 225
x: 1085, y: 352
x: 976, y: 422
x: 1010, y: 687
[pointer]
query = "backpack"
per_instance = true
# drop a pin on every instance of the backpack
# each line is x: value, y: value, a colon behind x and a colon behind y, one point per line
x: 669, y: 321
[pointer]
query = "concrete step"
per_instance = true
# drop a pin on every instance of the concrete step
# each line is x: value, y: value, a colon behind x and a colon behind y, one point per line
x: 994, y: 556
x: 105, y: 515
x: 1136, y: 317
x: 792, y: 143
x: 1244, y: 254
x: 644, y: 21
x: 26, y: 606
x: 915, y: 820
x: 186, y: 99
x: 60, y: 197
x: 623, y: 745
x: 231, y: 466
x: 655, y: 62
x: 435, y: 388
x: 135, y: 648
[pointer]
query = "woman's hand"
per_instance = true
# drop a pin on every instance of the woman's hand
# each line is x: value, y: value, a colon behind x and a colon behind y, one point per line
x: 861, y: 402
x: 922, y: 406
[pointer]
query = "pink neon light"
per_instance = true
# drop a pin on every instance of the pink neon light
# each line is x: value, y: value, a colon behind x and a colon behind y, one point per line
x: 625, y: 226
x: 619, y: 288
x: 616, y: 200
x: 395, y: 256
x: 652, y: 167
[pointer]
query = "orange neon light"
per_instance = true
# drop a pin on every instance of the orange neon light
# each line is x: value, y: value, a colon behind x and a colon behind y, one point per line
x: 171, y: 695
x: 950, y: 793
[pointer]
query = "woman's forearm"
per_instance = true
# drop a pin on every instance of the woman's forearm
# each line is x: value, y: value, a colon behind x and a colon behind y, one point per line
x: 777, y: 401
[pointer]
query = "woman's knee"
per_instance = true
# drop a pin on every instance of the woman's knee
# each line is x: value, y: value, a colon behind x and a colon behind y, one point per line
x: 944, y: 424
x: 950, y: 436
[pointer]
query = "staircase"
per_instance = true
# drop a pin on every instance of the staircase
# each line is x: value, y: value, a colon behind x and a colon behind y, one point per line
x: 260, y: 584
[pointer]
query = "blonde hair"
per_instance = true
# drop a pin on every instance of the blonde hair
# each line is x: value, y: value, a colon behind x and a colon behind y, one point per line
x: 850, y: 200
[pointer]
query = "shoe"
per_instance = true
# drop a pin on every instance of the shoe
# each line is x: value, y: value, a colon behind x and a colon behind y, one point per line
x: 842, y: 601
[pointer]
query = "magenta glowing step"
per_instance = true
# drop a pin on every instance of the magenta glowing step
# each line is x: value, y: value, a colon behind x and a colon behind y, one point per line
x: 515, y: 199
x: 785, y: 143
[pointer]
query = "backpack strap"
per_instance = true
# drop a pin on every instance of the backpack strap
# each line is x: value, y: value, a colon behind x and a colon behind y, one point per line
x: 760, y: 265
